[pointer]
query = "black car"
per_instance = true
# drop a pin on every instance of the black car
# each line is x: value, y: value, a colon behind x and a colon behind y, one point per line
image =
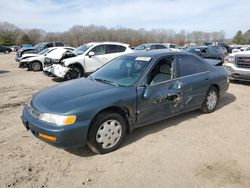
x: 5, y: 49
x: 37, y: 48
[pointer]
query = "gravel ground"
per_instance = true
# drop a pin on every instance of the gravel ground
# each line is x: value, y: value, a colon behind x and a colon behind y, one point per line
x: 192, y: 150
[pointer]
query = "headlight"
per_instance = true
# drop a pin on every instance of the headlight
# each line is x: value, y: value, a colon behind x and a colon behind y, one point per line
x: 231, y: 59
x: 57, y: 119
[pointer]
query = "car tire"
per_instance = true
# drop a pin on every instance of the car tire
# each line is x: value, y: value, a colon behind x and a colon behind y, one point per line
x: 35, y: 66
x: 106, y: 133
x: 74, y: 72
x: 211, y: 100
x: 6, y: 51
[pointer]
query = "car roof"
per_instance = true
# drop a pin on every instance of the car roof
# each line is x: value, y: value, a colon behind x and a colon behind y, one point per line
x: 151, y: 44
x: 156, y: 53
x: 109, y: 42
x: 58, y: 47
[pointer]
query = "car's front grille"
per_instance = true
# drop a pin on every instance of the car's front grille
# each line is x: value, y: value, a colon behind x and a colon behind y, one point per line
x: 243, y: 62
x: 33, y: 112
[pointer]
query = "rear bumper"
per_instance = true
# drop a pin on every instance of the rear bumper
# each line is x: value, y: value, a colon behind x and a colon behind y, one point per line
x: 66, y: 136
x: 237, y: 73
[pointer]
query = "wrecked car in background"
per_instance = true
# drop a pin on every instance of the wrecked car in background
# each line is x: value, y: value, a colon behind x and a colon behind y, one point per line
x: 35, y: 62
x: 90, y: 57
x: 37, y: 48
x: 238, y: 66
x: 129, y: 92
x: 208, y: 52
x: 51, y: 60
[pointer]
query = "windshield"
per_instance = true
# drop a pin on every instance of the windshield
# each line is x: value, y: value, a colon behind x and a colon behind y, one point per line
x: 43, y: 51
x: 141, y: 47
x: 82, y: 49
x: 189, y: 50
x: 122, y: 71
x: 38, y: 45
x: 27, y: 45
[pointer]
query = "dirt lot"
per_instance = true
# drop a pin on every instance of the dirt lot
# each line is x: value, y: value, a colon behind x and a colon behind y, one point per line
x: 193, y: 150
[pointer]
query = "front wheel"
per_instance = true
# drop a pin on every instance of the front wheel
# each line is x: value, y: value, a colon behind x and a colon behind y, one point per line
x: 211, y: 100
x: 74, y: 73
x: 6, y: 51
x: 106, y: 133
x: 35, y: 66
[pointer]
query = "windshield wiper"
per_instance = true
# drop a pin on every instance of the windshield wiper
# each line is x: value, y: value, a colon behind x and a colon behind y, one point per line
x: 92, y: 78
x: 105, y: 81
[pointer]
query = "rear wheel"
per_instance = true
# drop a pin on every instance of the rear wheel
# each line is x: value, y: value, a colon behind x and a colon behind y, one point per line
x: 35, y: 66
x: 211, y: 100
x: 74, y: 73
x: 106, y: 133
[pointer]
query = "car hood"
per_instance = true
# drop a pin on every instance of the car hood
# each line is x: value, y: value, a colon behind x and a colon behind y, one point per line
x: 26, y: 49
x: 65, y: 97
x: 29, y: 55
x: 244, y: 53
x: 56, y: 54
x: 70, y: 60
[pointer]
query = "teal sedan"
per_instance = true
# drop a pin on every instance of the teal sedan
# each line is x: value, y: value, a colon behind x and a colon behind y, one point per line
x: 130, y: 91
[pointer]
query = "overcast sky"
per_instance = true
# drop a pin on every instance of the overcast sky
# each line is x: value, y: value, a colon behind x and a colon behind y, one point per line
x: 190, y: 15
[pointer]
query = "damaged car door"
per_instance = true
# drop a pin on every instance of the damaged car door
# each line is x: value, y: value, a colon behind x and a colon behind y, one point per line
x: 193, y: 76
x: 160, y: 93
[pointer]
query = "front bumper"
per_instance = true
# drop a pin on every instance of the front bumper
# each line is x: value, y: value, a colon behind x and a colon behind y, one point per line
x: 237, y: 73
x: 59, y: 70
x: 23, y: 64
x: 66, y: 136
x: 17, y: 58
x: 47, y: 70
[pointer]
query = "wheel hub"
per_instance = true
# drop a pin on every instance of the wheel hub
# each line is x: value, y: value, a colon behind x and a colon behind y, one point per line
x: 109, y: 133
x: 211, y: 100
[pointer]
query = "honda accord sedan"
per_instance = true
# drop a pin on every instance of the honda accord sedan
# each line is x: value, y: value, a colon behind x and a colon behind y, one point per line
x: 130, y: 91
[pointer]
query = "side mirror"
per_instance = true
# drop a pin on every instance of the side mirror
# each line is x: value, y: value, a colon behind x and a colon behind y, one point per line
x: 91, y: 54
x: 147, y: 49
x: 146, y: 92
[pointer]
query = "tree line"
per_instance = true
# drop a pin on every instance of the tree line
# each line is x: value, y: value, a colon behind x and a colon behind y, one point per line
x: 242, y: 38
x: 79, y: 34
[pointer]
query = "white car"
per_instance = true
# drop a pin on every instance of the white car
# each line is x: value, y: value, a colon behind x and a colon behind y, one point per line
x: 35, y: 61
x: 238, y: 66
x: 240, y: 49
x: 89, y: 57
x: 172, y: 47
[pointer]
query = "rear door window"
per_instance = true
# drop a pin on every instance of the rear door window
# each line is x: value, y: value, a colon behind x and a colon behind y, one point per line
x: 172, y: 46
x: 189, y: 65
x: 159, y: 47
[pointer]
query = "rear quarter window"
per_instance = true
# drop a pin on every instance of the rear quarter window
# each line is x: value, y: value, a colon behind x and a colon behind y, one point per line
x: 59, y: 44
x: 189, y: 65
x: 114, y: 49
